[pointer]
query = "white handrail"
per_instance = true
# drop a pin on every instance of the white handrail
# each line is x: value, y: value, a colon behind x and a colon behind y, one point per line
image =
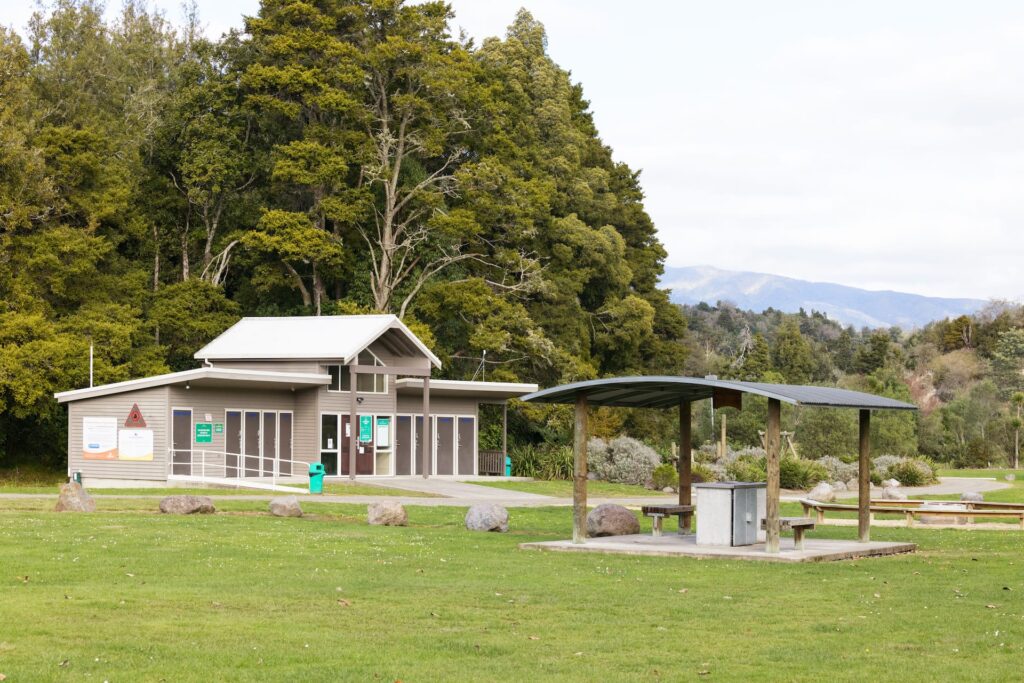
x: 238, y: 470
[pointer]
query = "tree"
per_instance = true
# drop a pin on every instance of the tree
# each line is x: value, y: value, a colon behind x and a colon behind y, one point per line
x: 1017, y: 400
x: 1008, y: 361
x: 792, y: 355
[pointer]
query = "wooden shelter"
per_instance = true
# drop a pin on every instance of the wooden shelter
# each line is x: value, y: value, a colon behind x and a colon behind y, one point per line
x: 680, y: 392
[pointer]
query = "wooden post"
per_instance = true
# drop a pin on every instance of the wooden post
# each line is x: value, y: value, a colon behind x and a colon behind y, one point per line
x: 579, y: 474
x: 864, y: 479
x: 722, y: 447
x: 353, y: 426
x: 772, y: 447
x: 504, y: 433
x: 684, y: 464
x: 426, y: 449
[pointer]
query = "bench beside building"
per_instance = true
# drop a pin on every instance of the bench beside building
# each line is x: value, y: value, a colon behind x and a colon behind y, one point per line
x: 275, y: 394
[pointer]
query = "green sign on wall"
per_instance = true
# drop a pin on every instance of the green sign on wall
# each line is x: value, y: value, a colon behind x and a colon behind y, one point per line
x: 204, y: 432
x: 365, y: 428
x: 218, y: 428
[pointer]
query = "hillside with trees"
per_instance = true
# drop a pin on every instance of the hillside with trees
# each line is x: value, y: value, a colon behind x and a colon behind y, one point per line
x: 966, y: 375
x: 334, y: 156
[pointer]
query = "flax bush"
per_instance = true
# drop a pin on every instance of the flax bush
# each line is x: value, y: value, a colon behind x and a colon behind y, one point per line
x: 622, y: 460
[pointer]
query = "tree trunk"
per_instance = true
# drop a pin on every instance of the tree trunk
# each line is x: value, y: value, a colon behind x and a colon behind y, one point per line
x: 319, y: 293
x: 306, y: 299
x: 184, y: 255
x: 156, y: 260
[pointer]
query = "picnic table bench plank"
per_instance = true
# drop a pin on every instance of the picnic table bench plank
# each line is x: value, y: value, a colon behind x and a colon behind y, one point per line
x: 658, y: 512
x: 798, y: 525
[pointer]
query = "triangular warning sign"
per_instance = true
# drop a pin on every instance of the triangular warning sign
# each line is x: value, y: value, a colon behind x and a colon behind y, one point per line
x: 135, y: 417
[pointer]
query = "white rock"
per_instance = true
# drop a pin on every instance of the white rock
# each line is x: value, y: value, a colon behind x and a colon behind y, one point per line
x: 890, y: 493
x: 285, y: 506
x: 823, y: 492
x: 487, y: 517
x: 839, y: 486
x: 972, y: 497
x: 387, y: 513
x: 853, y: 485
x: 890, y: 484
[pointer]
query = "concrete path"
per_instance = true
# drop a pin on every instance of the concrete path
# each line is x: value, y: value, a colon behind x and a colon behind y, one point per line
x: 462, y: 494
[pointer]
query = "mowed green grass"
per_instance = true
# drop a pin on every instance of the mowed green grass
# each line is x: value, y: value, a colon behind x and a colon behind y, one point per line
x: 563, y: 489
x: 126, y: 594
x: 334, y: 489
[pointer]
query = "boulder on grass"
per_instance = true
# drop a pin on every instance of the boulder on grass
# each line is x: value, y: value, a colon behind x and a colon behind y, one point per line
x: 187, y: 505
x: 285, y: 506
x: 609, y: 519
x: 891, y: 493
x: 74, y: 498
x: 972, y: 497
x: 388, y: 513
x: 839, y: 486
x: 853, y: 485
x: 487, y: 517
x: 822, y: 492
x: 890, y: 484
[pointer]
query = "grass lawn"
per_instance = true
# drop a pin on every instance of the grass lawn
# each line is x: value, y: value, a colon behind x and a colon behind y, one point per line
x: 125, y: 594
x: 999, y: 474
x: 563, y: 489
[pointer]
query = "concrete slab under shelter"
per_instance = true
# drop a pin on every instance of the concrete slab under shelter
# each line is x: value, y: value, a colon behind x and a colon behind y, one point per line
x: 674, y: 545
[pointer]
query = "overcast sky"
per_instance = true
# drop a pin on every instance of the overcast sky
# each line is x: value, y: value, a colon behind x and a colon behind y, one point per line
x: 875, y: 144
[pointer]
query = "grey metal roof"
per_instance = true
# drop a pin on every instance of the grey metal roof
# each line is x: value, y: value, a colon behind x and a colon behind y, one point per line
x: 666, y: 391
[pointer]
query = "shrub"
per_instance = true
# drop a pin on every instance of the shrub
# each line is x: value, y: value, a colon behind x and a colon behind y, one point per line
x: 703, y: 472
x: 665, y: 475
x: 907, y: 471
x: 746, y: 468
x: 547, y: 461
x: 800, y: 474
x: 708, y: 453
x: 622, y: 460
x: 837, y: 469
x: 912, y: 472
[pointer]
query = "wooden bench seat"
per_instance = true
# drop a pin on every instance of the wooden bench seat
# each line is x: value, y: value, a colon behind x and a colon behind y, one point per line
x: 798, y: 525
x: 660, y: 512
x: 915, y: 509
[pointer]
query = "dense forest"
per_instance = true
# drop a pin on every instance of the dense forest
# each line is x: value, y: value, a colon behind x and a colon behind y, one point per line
x: 334, y: 156
x: 345, y: 156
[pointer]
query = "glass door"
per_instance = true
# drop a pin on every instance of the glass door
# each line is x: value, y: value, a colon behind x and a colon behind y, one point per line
x: 329, y: 444
x: 181, y: 441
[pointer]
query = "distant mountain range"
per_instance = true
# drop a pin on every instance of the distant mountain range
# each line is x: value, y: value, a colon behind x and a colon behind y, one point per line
x: 848, y: 305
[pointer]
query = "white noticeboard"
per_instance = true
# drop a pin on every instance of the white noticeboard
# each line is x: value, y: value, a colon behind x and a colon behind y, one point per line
x: 135, y: 444
x: 99, y: 438
x: 383, y: 432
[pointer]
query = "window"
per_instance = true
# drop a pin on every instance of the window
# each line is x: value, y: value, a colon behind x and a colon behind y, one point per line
x: 371, y: 384
x: 341, y: 379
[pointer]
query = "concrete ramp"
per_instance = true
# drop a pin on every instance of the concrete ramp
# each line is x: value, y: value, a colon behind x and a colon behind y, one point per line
x: 235, y: 483
x: 465, y: 491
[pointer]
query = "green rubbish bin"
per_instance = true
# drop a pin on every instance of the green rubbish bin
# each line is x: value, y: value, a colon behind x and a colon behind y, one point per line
x: 316, y: 477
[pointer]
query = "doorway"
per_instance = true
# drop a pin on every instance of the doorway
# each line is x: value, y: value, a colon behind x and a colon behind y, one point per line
x: 181, y: 441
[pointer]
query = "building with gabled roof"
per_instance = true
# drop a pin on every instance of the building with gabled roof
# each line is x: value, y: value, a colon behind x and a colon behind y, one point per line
x: 273, y: 395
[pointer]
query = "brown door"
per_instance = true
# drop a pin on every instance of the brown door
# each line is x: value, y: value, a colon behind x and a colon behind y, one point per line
x: 346, y: 443
x: 467, y: 445
x: 181, y: 441
x: 445, y: 445
x: 232, y: 442
x: 269, y: 443
x: 251, y: 444
x: 403, y: 445
x: 284, y: 443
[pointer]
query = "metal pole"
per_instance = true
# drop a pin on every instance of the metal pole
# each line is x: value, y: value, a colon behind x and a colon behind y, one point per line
x: 579, y: 475
x: 863, y: 479
x: 90, y: 364
x: 504, y: 432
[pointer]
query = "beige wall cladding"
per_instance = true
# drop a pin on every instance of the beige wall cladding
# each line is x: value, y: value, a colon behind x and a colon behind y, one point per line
x: 307, y: 366
x: 439, y: 405
x: 216, y: 403
x: 154, y: 408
